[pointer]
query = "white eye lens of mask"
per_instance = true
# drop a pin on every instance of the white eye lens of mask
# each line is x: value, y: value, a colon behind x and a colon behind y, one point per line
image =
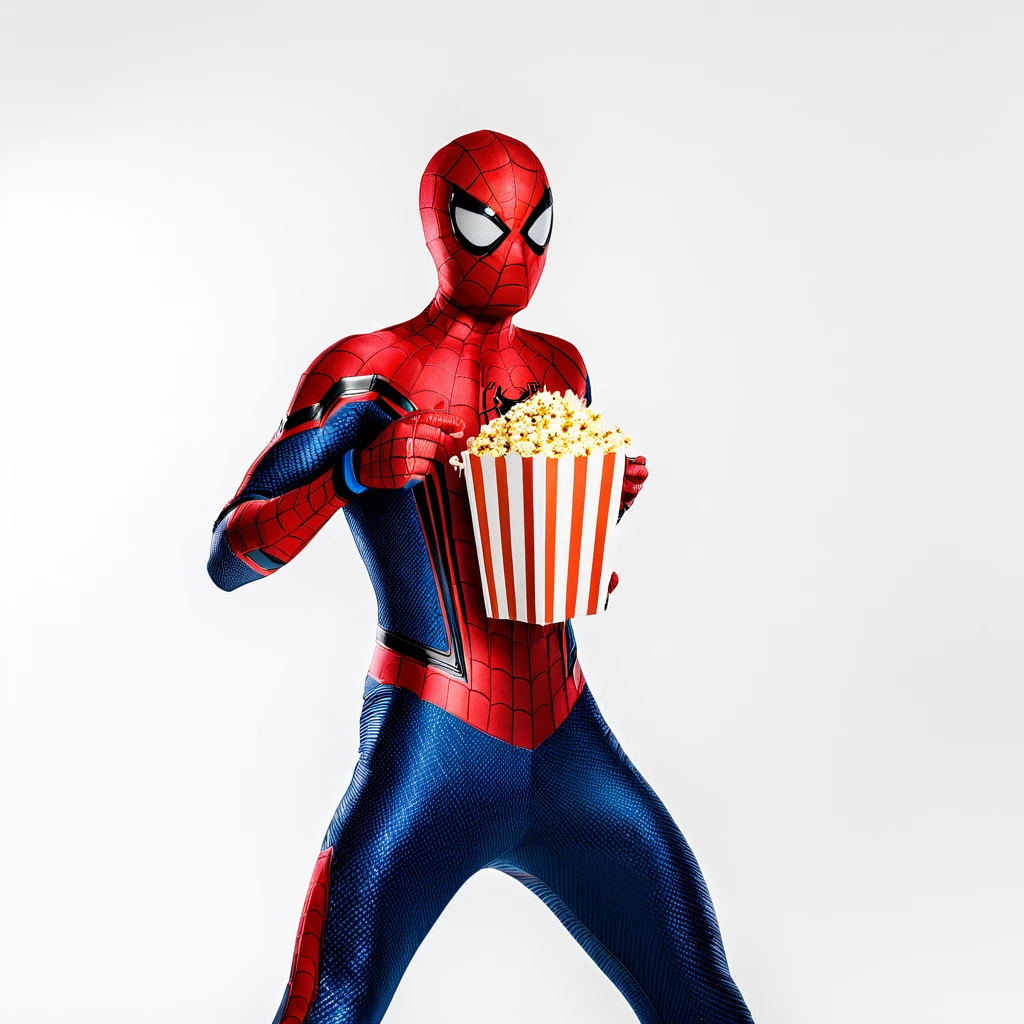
x: 476, y: 228
x: 540, y: 229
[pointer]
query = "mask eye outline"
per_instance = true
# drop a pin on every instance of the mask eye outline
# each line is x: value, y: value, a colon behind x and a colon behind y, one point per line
x: 542, y: 207
x: 460, y: 200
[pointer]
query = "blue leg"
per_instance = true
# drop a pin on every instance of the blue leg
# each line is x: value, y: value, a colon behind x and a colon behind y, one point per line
x: 604, y: 853
x: 432, y: 800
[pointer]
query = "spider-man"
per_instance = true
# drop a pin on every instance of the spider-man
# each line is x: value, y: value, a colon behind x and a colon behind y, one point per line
x: 480, y: 745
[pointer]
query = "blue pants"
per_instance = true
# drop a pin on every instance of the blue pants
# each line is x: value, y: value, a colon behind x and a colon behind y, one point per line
x: 433, y: 801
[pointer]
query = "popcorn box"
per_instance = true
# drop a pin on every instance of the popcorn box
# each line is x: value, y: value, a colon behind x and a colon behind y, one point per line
x: 544, y: 530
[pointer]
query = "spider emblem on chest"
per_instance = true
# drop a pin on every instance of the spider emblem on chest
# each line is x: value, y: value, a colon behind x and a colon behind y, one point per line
x: 497, y: 401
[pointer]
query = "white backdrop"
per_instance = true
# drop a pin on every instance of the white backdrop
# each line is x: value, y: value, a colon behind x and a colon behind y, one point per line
x: 788, y: 243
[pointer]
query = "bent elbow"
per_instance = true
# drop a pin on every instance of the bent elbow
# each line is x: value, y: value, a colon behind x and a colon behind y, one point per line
x: 225, y: 568
x: 225, y: 581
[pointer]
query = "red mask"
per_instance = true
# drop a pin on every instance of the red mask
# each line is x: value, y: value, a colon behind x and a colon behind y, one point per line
x: 486, y: 211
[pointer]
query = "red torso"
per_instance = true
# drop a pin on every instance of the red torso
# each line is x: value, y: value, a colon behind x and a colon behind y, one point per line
x: 519, y: 682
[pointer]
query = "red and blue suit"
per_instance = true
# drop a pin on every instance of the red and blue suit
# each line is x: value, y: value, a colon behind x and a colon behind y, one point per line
x: 480, y: 743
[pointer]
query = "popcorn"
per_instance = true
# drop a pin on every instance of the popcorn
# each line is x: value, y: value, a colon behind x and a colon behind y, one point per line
x: 544, y: 524
x: 551, y: 425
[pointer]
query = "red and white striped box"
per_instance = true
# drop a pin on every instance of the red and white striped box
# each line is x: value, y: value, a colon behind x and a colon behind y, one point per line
x: 544, y: 530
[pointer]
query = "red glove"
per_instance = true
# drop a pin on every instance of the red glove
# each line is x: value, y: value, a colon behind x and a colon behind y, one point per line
x: 613, y: 582
x: 632, y: 480
x: 406, y: 449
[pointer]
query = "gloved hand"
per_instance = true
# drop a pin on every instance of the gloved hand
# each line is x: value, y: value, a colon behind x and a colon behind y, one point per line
x: 632, y: 480
x: 407, y: 448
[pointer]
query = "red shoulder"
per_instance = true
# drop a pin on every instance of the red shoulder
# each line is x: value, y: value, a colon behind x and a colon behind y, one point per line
x: 556, y: 362
x: 380, y: 352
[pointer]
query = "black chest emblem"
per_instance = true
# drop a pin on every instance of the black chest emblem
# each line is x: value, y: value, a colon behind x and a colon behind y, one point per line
x: 497, y: 402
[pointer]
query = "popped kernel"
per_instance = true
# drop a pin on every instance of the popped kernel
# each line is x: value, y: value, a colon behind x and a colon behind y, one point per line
x: 549, y: 424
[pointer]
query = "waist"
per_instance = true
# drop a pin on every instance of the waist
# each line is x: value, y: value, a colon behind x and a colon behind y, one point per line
x: 521, y: 710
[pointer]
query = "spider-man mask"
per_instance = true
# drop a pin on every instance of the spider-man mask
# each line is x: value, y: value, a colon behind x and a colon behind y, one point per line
x: 486, y: 210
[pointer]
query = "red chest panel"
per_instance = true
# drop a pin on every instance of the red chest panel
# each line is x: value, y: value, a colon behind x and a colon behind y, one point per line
x: 519, y: 680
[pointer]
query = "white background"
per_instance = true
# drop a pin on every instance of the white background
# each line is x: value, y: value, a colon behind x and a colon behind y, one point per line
x: 788, y: 241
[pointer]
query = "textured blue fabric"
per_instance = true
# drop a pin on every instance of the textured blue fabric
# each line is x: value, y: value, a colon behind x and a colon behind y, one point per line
x: 389, y: 535
x: 226, y: 569
x: 287, y: 464
x: 433, y: 800
x: 385, y: 524
x: 302, y: 457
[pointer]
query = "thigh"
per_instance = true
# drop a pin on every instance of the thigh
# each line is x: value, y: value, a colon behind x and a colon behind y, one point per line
x: 605, y: 854
x: 429, y: 805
